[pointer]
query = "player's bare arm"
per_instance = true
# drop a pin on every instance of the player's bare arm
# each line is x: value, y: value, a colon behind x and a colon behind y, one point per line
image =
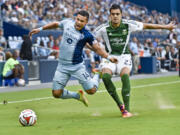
x: 52, y: 25
x: 169, y: 26
x: 89, y: 47
x: 97, y: 49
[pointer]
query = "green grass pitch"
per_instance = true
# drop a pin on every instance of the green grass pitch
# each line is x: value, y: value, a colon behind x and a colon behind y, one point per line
x: 154, y: 102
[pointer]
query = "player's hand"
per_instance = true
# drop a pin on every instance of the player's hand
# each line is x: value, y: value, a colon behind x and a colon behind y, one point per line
x: 113, y: 60
x: 171, y: 26
x: 34, y: 31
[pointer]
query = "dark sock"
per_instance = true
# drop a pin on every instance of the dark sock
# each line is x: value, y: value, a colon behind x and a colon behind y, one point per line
x: 126, y: 90
x: 111, y: 88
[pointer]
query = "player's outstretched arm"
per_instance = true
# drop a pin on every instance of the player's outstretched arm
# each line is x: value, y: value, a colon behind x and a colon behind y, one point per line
x: 52, y: 25
x: 169, y: 26
x: 97, y: 49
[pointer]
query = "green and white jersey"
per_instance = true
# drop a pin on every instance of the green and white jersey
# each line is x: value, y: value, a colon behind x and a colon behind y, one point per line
x: 116, y: 39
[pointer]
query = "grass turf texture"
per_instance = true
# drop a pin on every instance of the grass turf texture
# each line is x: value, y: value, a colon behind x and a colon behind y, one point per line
x: 156, y: 109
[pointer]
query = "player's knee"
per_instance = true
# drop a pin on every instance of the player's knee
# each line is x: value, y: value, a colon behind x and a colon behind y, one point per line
x: 125, y: 71
x: 57, y: 93
x: 91, y: 91
x: 106, y: 77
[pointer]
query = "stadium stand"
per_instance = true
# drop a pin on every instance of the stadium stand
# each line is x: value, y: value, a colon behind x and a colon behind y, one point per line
x: 30, y: 14
x: 35, y: 13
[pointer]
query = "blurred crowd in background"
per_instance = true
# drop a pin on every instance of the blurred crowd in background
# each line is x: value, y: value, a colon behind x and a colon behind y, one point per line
x: 35, y: 13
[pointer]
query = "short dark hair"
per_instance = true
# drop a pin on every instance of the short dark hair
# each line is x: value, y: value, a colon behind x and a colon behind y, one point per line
x: 115, y: 6
x: 84, y: 13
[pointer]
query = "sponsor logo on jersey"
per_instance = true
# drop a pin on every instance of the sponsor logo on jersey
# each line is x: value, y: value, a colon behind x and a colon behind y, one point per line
x: 117, y: 41
x: 71, y: 36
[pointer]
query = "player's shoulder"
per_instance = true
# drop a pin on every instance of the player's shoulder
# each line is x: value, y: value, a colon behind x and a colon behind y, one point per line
x: 102, y: 26
x: 86, y: 31
x: 67, y: 20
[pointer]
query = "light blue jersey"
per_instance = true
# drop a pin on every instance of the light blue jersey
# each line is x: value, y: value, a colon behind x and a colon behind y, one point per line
x: 70, y: 57
x: 73, y: 42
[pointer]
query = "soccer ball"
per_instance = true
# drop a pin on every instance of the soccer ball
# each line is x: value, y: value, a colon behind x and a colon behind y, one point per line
x: 27, y: 117
x: 21, y: 82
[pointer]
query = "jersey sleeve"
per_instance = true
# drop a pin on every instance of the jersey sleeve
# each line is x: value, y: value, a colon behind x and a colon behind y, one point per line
x: 135, y: 25
x: 91, y: 39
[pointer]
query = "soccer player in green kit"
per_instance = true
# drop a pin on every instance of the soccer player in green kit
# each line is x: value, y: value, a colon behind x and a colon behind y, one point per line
x: 116, y: 34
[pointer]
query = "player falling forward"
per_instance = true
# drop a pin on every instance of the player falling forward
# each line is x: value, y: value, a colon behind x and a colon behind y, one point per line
x: 75, y: 36
x: 116, y: 35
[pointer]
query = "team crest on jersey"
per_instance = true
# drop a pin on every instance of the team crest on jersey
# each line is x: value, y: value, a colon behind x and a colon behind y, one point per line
x: 69, y: 41
x: 124, y: 32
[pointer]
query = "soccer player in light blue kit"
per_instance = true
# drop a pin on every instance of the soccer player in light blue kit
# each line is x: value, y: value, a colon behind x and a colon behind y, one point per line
x: 75, y: 37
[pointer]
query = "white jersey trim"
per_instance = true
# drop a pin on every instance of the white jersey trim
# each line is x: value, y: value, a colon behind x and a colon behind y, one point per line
x: 132, y: 26
x: 101, y: 31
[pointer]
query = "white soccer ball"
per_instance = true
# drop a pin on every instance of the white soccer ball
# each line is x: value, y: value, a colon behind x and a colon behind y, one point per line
x: 21, y: 82
x: 27, y: 117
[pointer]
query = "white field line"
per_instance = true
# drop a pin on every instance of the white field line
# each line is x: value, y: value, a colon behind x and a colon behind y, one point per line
x: 28, y: 100
x: 99, y: 91
x: 147, y: 85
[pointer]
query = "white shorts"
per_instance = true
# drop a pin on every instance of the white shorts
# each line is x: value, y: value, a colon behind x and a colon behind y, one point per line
x: 124, y: 60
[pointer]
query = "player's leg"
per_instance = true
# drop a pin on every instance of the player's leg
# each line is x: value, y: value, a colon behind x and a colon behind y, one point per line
x: 126, y: 91
x: 110, y: 87
x: 95, y: 81
x: 59, y: 82
x: 108, y: 69
x: 90, y: 85
x: 125, y: 69
x: 125, y: 86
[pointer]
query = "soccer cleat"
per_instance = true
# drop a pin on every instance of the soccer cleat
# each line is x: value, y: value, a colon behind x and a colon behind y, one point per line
x: 122, y: 107
x: 97, y: 71
x: 83, y: 98
x: 126, y: 114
